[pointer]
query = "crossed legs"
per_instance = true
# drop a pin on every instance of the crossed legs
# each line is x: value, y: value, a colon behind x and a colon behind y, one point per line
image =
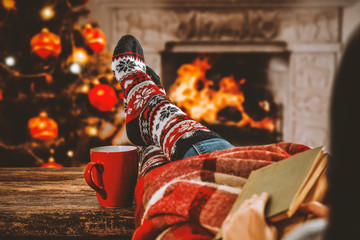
x: 151, y: 117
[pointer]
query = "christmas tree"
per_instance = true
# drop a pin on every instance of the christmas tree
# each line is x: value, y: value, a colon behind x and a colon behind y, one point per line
x: 58, y: 97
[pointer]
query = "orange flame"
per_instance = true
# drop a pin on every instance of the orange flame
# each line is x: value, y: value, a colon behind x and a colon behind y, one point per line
x: 195, y: 94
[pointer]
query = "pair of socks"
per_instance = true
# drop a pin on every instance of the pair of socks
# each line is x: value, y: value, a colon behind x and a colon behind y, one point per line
x: 151, y: 118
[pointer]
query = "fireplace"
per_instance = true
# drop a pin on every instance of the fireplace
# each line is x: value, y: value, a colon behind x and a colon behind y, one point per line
x: 237, y: 94
x: 300, y: 42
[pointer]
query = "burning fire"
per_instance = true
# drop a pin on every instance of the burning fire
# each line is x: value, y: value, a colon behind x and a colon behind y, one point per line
x: 203, y: 101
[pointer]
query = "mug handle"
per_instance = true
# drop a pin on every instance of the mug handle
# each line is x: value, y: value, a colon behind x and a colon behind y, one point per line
x: 88, y: 177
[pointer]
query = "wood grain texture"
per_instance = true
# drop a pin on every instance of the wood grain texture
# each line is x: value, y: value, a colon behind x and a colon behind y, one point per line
x: 47, y: 203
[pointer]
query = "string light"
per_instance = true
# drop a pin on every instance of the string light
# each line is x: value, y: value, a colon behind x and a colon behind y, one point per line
x: 79, y: 55
x: 70, y: 153
x: 75, y: 68
x: 91, y: 130
x: 10, y: 61
x: 48, y: 78
x: 9, y: 4
x: 85, y: 88
x: 47, y: 13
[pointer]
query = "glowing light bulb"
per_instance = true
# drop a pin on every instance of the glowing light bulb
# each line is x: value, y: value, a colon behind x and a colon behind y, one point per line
x: 80, y: 56
x: 10, y: 61
x: 47, y: 13
x: 85, y: 88
x: 70, y: 153
x: 75, y: 68
x: 9, y: 4
x: 91, y: 130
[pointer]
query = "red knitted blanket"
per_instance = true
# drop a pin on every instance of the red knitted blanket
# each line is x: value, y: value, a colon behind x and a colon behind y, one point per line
x: 190, y: 198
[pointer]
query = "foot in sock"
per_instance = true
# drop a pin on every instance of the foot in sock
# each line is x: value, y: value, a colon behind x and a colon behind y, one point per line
x: 155, y: 78
x: 151, y: 118
x: 129, y: 58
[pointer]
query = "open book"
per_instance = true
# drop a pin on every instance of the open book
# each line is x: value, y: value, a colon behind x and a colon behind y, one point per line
x: 290, y: 182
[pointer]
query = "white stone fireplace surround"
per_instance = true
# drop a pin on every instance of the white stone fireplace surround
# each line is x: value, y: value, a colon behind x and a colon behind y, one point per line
x: 309, y: 30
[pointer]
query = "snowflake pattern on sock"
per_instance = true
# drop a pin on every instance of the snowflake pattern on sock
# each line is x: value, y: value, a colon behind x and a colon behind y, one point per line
x: 125, y: 64
x: 139, y: 96
x: 165, y: 114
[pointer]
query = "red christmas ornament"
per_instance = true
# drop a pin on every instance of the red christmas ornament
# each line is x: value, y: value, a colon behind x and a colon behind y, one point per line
x: 43, y: 127
x: 95, y: 38
x: 51, y: 164
x: 46, y: 44
x: 103, y: 97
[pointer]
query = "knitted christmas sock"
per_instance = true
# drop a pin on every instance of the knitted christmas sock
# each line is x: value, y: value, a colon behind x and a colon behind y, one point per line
x: 155, y: 78
x: 151, y: 157
x: 151, y: 118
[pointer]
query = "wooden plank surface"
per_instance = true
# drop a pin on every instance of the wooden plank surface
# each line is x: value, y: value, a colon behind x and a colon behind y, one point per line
x: 45, y: 202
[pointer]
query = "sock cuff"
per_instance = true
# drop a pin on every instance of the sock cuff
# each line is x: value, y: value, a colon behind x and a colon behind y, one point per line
x: 133, y: 55
x: 185, y: 142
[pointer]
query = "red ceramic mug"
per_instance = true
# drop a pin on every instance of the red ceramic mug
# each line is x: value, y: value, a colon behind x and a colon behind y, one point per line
x: 112, y: 173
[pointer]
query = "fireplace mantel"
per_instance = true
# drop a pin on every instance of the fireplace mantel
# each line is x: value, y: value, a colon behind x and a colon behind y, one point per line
x: 310, y: 30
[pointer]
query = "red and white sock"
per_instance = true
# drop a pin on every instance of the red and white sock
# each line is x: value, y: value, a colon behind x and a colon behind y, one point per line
x: 151, y: 157
x: 151, y: 118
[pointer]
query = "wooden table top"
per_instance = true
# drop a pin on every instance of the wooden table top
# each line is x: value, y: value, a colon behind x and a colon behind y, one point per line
x: 57, y: 202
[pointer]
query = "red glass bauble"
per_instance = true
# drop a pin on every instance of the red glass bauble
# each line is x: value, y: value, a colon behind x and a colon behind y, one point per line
x: 51, y: 164
x: 103, y: 97
x: 43, y: 127
x: 94, y: 37
x: 46, y: 44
